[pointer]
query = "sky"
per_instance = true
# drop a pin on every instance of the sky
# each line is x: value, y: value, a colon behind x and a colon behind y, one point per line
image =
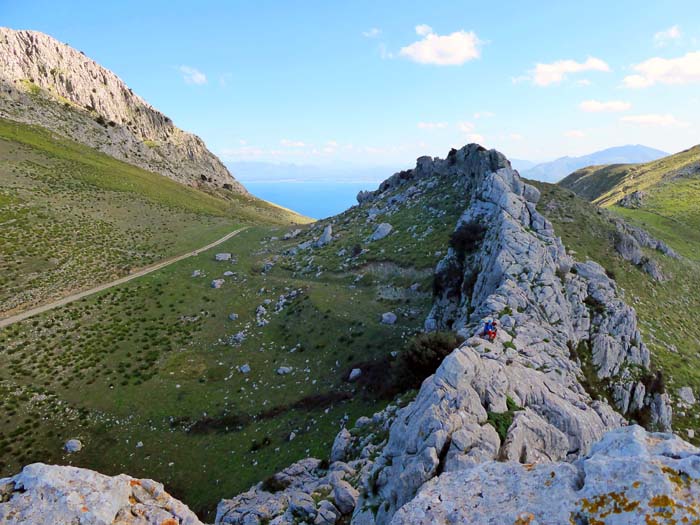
x: 374, y: 83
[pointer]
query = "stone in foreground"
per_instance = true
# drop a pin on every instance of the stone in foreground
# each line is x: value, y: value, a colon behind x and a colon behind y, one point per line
x: 52, y: 495
x: 630, y: 477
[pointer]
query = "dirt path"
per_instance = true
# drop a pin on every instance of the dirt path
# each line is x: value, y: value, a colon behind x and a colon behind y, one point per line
x: 7, y: 321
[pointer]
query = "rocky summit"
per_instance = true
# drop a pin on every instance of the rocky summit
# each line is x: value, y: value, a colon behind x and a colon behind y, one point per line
x: 530, y: 427
x: 50, y: 84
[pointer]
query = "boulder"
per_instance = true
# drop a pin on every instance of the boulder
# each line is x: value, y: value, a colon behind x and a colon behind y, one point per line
x: 341, y: 444
x: 232, y: 316
x: 217, y: 283
x: 364, y: 196
x: 381, y: 231
x: 388, y: 318
x: 244, y: 369
x: 345, y: 496
x: 284, y: 370
x: 326, y: 237
x: 52, y: 495
x: 354, y: 374
x: 222, y: 257
x: 686, y: 395
x: 72, y: 446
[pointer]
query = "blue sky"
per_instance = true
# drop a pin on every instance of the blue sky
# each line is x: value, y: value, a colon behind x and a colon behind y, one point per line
x: 380, y: 82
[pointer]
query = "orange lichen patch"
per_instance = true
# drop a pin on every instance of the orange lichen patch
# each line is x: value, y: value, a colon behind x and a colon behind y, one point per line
x: 636, y: 485
x: 662, y: 501
x: 611, y: 503
x: 169, y: 521
x: 528, y: 466
x: 680, y: 479
x: 524, y: 519
x: 83, y: 509
x: 134, y: 482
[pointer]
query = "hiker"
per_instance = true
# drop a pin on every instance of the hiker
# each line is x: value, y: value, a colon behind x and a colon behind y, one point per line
x: 490, y: 329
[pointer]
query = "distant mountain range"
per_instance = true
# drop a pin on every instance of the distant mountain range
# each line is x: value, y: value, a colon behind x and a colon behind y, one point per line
x: 558, y: 169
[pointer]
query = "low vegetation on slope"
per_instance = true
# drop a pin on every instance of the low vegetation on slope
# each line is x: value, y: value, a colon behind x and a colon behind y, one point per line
x: 606, y: 185
x: 667, y: 310
x: 71, y: 217
x: 210, y: 390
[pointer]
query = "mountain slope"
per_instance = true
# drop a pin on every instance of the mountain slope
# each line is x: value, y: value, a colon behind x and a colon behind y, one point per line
x: 46, y: 82
x: 165, y: 382
x: 662, y: 196
x: 72, y: 217
x: 560, y: 168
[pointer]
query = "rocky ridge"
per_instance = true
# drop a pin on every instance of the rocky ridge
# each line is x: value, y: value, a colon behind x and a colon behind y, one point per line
x: 540, y: 405
x: 50, y: 84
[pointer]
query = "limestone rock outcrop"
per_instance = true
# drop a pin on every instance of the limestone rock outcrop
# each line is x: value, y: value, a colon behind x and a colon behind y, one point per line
x: 51, y: 495
x: 48, y: 83
x: 629, y: 477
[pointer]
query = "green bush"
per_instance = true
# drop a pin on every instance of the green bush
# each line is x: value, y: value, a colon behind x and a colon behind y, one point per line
x: 423, y: 356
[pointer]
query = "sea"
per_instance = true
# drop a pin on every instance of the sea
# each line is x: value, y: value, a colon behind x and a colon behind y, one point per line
x: 317, y: 200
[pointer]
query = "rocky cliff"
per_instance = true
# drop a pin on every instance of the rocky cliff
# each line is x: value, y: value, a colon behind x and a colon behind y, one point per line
x: 529, y: 428
x: 48, y: 83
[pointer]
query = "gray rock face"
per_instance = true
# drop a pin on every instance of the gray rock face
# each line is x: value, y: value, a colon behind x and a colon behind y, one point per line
x: 381, y: 231
x: 550, y: 308
x: 74, y: 96
x: 354, y: 374
x: 364, y: 196
x: 629, y: 477
x: 554, y: 314
x: 51, y: 495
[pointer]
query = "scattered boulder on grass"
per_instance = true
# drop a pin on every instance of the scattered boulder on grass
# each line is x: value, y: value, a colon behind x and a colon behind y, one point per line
x: 388, y: 318
x: 686, y: 394
x: 244, y: 369
x: 354, y: 374
x: 222, y: 257
x: 291, y: 234
x: 284, y: 370
x: 381, y: 231
x: 197, y: 273
x: 217, y: 283
x: 233, y: 316
x: 326, y: 236
x: 72, y: 446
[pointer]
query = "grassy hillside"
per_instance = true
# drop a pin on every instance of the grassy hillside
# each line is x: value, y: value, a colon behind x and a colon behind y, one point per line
x: 606, y: 185
x: 148, y: 374
x: 71, y: 217
x: 668, y: 311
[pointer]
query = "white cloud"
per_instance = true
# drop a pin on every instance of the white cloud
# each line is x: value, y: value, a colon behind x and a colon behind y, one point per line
x: 516, y: 136
x: 663, y: 38
x: 432, y: 125
x: 583, y: 82
x: 423, y: 29
x: 611, y: 106
x: 666, y: 120
x: 465, y: 127
x: 292, y: 143
x: 372, y: 33
x: 483, y: 114
x: 574, y: 134
x: 475, y: 137
x: 442, y: 50
x: 192, y: 75
x: 554, y: 73
x: 656, y: 70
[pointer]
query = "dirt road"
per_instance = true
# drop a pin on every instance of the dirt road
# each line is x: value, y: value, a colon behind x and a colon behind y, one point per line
x: 7, y: 321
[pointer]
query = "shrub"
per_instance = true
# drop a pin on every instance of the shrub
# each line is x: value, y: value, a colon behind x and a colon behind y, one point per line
x: 466, y: 237
x: 423, y: 356
x: 274, y: 484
